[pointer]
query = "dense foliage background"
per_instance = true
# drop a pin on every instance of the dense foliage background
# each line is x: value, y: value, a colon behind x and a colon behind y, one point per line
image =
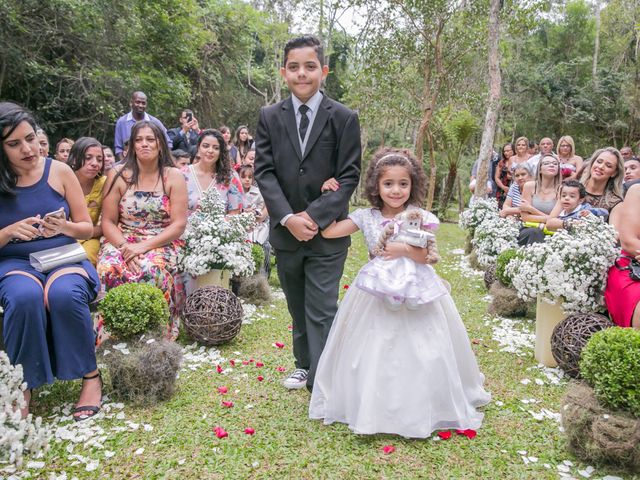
x: 568, y: 67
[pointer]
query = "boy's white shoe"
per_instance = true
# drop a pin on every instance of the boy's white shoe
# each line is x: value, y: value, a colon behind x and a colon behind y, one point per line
x: 298, y: 379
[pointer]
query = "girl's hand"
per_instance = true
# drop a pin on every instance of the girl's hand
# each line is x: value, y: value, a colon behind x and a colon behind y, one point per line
x: 330, y: 185
x: 393, y: 250
x: 24, y: 229
x: 52, y: 226
x: 133, y: 250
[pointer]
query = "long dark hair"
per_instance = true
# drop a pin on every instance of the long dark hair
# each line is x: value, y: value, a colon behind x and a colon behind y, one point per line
x: 223, y: 165
x: 243, y: 147
x: 131, y: 161
x: 11, y: 115
x: 79, y: 150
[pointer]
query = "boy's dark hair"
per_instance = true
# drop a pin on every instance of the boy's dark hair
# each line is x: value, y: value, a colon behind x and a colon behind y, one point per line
x: 179, y: 153
x: 79, y: 150
x: 301, y: 42
x: 582, y: 192
x: 391, y: 157
x: 533, y: 143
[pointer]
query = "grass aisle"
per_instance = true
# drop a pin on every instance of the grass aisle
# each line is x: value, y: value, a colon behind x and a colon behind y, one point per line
x: 519, y: 439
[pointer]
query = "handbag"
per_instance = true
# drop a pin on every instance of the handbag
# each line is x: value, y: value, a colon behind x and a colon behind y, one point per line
x: 633, y: 267
x: 46, y: 260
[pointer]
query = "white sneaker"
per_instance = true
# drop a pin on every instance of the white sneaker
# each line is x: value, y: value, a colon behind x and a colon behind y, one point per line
x: 298, y: 379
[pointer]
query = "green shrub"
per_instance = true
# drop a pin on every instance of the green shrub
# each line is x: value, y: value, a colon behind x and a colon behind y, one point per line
x: 258, y: 256
x: 133, y: 308
x: 501, y: 264
x: 611, y: 365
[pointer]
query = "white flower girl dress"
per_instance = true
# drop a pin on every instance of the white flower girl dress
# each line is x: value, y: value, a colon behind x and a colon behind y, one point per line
x: 407, y: 370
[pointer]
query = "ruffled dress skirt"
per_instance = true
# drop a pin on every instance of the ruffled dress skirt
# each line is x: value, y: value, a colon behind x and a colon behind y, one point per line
x: 405, y: 371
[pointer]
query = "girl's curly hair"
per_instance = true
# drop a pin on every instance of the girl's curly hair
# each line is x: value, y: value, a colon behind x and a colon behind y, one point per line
x: 390, y: 157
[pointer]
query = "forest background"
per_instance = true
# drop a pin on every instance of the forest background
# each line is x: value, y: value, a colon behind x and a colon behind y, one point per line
x: 416, y: 70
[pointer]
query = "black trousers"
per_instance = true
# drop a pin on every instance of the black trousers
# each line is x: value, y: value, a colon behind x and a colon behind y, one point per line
x: 310, y: 282
x: 530, y: 235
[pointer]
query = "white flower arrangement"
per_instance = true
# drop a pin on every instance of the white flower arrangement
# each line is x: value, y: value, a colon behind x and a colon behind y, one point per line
x: 215, y: 241
x: 479, y: 210
x: 570, y: 266
x: 493, y: 236
x: 17, y: 435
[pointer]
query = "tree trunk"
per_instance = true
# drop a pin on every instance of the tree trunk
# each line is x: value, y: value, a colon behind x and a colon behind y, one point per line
x: 432, y: 171
x: 495, y: 81
x: 448, y: 190
x: 596, y: 47
x: 460, y: 196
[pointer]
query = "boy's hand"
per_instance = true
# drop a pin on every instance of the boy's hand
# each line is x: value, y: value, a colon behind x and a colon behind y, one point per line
x: 330, y: 185
x: 584, y: 213
x: 302, y: 227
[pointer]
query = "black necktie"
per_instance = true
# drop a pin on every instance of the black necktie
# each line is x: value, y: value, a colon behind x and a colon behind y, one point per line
x: 304, y: 121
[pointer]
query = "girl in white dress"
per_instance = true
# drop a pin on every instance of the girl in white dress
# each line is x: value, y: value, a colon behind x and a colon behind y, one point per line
x: 403, y: 366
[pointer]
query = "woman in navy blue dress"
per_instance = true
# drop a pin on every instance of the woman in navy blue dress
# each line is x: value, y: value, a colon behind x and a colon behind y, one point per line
x: 47, y: 326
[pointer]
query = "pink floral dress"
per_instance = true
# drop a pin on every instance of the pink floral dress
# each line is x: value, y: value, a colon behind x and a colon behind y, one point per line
x: 144, y: 215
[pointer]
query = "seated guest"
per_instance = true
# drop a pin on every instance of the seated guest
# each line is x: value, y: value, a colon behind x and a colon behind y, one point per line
x: 250, y: 159
x: 255, y: 203
x: 63, y: 147
x: 626, y: 152
x: 43, y: 142
x: 213, y: 170
x: 87, y: 161
x: 47, y: 325
x: 631, y: 173
x: 521, y: 175
x: 180, y: 158
x: 242, y: 141
x: 622, y: 295
x: 108, y: 157
x: 571, y: 206
x: 533, y: 148
x: 185, y: 137
x: 144, y: 213
x: 570, y: 163
x: 522, y: 152
x: 602, y: 178
x: 538, y: 199
x: 502, y: 174
x: 546, y: 147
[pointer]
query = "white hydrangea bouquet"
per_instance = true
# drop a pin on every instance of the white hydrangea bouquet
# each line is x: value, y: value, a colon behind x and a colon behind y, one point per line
x: 493, y: 236
x: 214, y: 240
x: 570, y: 266
x: 17, y: 435
x: 480, y: 210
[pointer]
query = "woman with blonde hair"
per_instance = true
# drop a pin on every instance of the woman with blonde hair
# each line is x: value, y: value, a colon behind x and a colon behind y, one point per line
x: 570, y: 163
x: 522, y: 152
x: 602, y: 178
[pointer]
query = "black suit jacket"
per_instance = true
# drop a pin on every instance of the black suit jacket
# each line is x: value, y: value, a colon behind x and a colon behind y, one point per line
x: 179, y: 142
x: 290, y: 180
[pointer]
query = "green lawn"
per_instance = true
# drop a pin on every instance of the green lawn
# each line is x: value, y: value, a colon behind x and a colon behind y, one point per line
x: 178, y: 441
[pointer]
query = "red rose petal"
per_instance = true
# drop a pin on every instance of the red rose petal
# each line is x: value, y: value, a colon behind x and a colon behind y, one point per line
x: 387, y: 449
x: 223, y: 390
x: 279, y: 344
x: 346, y: 287
x: 445, y: 435
x: 281, y: 369
x: 220, y: 432
x: 219, y: 369
x: 245, y: 362
x: 227, y: 404
x: 232, y: 362
x: 470, y: 434
x: 259, y: 364
x: 260, y: 378
x: 249, y: 431
x: 251, y: 360
x: 460, y: 432
x: 290, y: 327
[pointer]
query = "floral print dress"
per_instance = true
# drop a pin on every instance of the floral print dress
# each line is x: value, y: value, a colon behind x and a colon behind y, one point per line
x: 144, y: 215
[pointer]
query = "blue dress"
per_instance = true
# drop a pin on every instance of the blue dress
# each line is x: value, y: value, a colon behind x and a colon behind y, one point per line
x: 54, y: 340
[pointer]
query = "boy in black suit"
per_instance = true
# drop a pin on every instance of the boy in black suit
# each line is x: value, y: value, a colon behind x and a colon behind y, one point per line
x: 301, y: 142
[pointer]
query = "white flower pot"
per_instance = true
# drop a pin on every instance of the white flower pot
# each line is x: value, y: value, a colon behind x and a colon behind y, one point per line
x: 220, y: 278
x: 548, y: 315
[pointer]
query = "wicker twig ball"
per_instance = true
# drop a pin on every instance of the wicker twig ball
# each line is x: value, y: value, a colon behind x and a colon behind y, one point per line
x: 490, y: 276
x: 571, y: 335
x: 212, y: 315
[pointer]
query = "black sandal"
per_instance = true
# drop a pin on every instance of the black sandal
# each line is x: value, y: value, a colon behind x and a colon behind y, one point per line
x: 88, y: 408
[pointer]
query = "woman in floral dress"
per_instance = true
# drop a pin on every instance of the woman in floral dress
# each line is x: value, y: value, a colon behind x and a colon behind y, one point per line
x: 143, y: 216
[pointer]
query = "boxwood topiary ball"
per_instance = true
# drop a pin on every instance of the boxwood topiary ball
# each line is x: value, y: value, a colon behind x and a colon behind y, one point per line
x: 611, y: 365
x: 133, y: 308
x: 501, y: 264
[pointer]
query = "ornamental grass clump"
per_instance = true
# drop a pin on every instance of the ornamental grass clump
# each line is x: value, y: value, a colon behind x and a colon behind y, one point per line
x: 133, y: 308
x: 17, y: 435
x: 570, y: 266
x: 214, y: 240
x: 610, y: 363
